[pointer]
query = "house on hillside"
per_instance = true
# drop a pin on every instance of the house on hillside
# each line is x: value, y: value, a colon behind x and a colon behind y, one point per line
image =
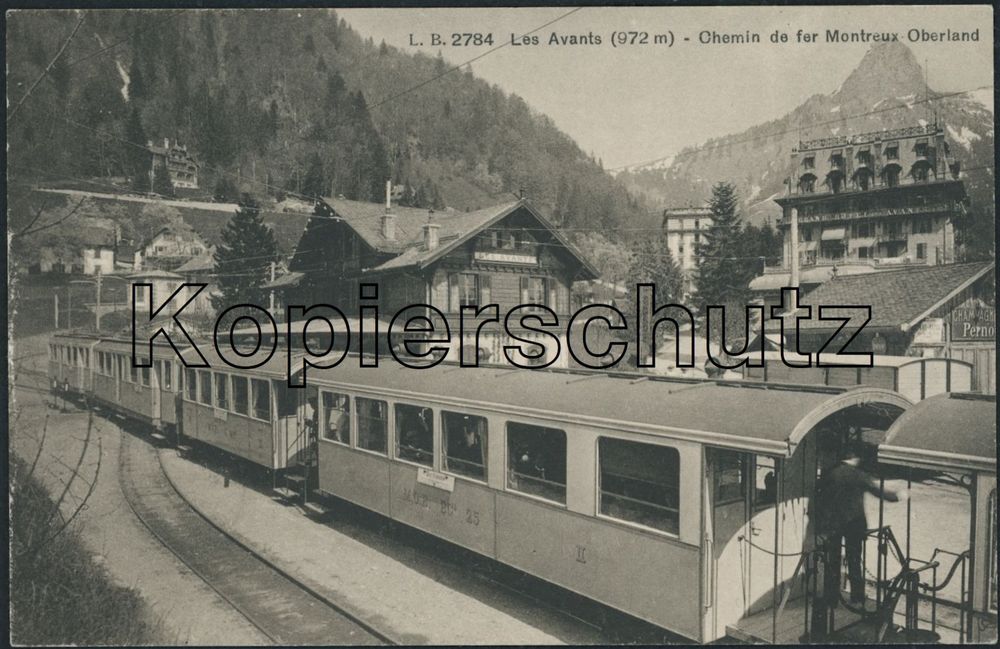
x: 507, y: 254
x: 87, y: 248
x: 181, y: 166
x: 168, y: 248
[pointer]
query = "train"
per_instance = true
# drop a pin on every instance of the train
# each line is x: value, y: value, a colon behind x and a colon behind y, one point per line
x: 687, y: 503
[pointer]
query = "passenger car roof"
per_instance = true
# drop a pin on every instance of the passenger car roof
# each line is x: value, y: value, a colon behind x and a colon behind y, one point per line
x: 946, y: 431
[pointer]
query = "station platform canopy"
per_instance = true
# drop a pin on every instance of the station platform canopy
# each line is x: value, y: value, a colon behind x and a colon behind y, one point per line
x: 951, y: 431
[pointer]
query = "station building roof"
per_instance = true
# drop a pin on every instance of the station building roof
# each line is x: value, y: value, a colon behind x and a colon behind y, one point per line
x: 955, y: 431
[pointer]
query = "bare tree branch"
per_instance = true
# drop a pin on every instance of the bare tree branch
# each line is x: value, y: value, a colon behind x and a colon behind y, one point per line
x: 45, y: 72
x: 53, y: 224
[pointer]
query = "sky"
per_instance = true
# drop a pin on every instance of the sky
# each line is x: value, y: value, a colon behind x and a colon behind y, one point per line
x: 632, y: 104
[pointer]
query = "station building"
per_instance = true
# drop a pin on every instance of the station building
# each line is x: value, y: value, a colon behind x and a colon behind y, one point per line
x: 507, y: 254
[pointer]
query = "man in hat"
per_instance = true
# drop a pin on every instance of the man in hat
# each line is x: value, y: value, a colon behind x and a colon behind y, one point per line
x: 844, y: 489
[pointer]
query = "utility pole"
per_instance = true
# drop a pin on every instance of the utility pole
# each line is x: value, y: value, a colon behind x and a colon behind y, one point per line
x: 69, y: 308
x: 271, y: 295
x: 56, y: 305
x: 98, y: 317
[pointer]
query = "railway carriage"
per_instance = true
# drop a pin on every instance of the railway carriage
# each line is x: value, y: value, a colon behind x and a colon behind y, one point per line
x: 70, y: 363
x: 684, y: 503
x: 251, y: 413
x: 148, y: 394
x: 687, y: 503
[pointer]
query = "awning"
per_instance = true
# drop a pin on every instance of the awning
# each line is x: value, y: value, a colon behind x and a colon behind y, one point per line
x: 834, y: 234
x: 863, y: 242
x: 947, y: 431
x: 808, y: 245
x: 770, y: 282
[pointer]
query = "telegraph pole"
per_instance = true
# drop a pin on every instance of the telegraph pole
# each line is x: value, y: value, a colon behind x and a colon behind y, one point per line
x: 271, y: 294
x: 98, y: 317
x: 56, y: 305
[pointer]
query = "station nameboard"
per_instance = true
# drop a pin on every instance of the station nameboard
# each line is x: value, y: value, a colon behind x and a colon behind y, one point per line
x: 974, y: 322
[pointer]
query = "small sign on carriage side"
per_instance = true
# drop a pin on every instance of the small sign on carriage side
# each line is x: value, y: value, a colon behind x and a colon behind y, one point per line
x: 436, y: 479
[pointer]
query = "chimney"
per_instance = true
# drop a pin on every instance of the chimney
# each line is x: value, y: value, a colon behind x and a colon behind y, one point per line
x: 388, y: 219
x: 166, y: 143
x: 431, y: 231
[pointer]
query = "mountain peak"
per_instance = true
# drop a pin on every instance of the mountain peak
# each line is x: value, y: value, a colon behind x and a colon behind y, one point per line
x: 887, y: 69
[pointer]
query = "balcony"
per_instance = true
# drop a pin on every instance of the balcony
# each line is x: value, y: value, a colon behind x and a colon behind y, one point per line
x: 851, y: 264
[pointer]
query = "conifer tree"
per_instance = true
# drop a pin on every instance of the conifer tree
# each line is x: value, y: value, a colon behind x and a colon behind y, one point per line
x: 726, y: 261
x: 243, y: 259
x: 161, y: 181
x: 652, y: 263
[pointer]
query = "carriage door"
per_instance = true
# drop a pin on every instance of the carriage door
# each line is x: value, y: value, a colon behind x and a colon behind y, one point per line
x: 726, y: 599
x: 743, y: 489
x: 287, y: 422
x: 761, y: 529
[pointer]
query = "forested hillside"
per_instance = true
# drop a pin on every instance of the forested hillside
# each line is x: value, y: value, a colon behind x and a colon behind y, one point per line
x: 287, y: 102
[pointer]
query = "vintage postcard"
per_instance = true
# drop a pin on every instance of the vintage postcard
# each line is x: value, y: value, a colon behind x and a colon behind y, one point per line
x: 517, y: 326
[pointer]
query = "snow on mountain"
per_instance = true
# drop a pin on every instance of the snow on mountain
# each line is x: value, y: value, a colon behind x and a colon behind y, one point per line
x: 885, y: 91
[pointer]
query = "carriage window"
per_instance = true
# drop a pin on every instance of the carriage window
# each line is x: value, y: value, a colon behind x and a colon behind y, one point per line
x: 145, y: 376
x: 166, y: 375
x: 464, y: 444
x: 536, y: 461
x: 373, y: 424
x: 415, y: 434
x: 221, y: 393
x: 192, y: 385
x: 640, y: 483
x: 241, y: 395
x: 261, y: 399
x: 336, y: 417
x: 133, y: 372
x: 765, y: 482
x: 730, y: 477
x: 205, y: 387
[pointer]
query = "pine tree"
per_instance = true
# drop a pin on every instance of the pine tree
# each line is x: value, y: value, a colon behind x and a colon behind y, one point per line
x: 226, y: 190
x: 161, y: 181
x: 726, y: 261
x: 652, y: 263
x: 243, y: 259
x: 315, y: 184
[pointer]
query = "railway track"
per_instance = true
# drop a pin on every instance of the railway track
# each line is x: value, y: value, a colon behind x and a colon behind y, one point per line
x: 283, y: 609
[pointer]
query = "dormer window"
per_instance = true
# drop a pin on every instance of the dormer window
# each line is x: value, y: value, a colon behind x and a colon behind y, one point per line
x: 921, y: 149
x: 809, y: 163
x: 837, y: 160
x: 864, y: 157
x: 892, y: 152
